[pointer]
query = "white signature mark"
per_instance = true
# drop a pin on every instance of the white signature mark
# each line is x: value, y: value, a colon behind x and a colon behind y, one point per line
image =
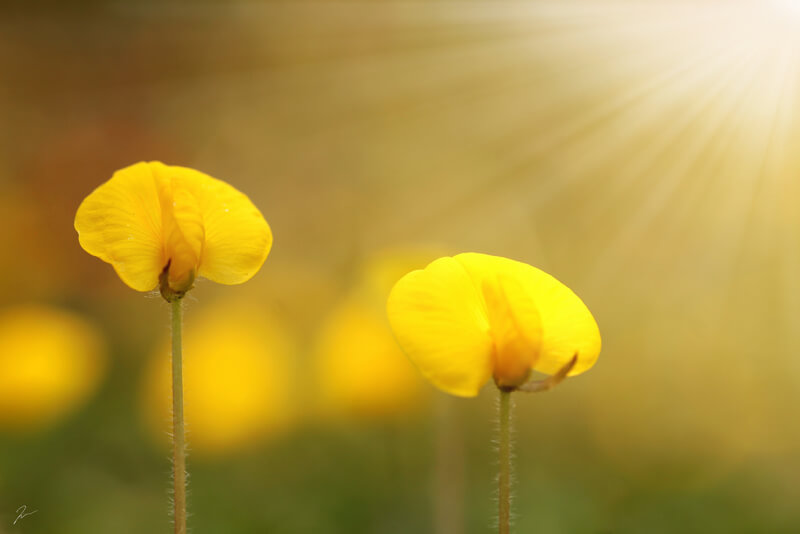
x: 23, y: 513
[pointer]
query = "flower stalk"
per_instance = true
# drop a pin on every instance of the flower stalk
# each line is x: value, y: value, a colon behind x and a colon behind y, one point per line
x: 178, y: 430
x: 504, y: 473
x: 504, y: 456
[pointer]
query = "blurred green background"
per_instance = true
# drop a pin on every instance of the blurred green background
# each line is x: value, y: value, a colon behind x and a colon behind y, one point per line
x: 645, y: 153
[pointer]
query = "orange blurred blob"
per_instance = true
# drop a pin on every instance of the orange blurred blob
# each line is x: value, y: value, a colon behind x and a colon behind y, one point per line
x: 237, y: 380
x: 71, y: 159
x: 51, y: 361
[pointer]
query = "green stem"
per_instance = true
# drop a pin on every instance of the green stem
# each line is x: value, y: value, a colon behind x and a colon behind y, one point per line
x: 504, y: 475
x: 178, y: 433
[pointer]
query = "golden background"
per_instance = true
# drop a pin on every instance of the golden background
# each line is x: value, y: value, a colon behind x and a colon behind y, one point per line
x: 647, y: 154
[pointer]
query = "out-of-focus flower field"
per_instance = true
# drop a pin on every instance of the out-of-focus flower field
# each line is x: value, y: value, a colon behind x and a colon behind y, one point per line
x: 645, y: 153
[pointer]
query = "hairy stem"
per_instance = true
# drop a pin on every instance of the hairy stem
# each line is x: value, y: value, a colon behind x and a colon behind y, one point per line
x: 178, y: 434
x: 504, y: 473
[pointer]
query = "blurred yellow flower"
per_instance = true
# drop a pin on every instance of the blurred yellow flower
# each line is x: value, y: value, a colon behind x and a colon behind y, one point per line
x: 469, y: 317
x: 237, y: 379
x: 360, y: 370
x: 152, y: 218
x: 51, y: 360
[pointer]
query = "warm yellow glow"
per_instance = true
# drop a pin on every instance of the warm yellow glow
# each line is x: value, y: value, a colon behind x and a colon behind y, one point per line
x: 360, y: 371
x: 237, y: 379
x: 51, y: 360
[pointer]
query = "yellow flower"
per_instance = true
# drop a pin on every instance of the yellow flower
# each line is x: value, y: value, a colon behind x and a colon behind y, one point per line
x: 50, y: 362
x: 237, y: 379
x: 152, y: 218
x: 467, y: 318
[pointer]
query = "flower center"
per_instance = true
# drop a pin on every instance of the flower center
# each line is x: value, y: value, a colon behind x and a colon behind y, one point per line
x: 183, y: 236
x: 515, y: 341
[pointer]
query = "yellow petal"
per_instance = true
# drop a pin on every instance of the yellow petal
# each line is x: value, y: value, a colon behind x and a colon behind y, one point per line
x: 150, y: 215
x: 182, y: 223
x: 515, y: 328
x: 567, y: 326
x: 120, y: 223
x: 439, y: 319
x: 236, y: 238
